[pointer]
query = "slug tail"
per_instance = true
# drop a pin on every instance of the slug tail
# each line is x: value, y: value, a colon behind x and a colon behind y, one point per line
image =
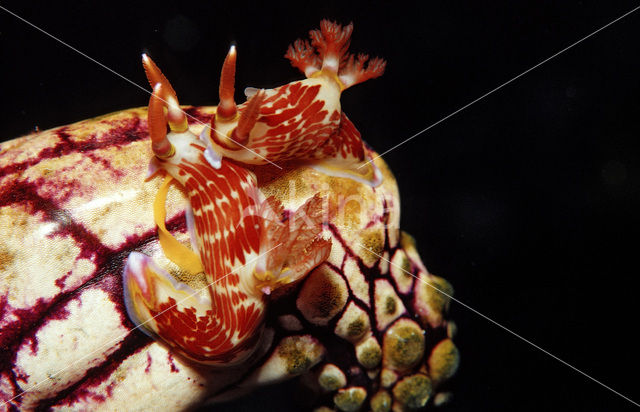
x: 154, y: 298
x: 185, y: 319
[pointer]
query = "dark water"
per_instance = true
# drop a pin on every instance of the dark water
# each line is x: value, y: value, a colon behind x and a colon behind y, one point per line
x: 526, y: 201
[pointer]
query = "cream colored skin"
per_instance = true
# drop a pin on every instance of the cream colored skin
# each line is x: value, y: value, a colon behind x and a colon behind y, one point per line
x: 31, y: 263
x: 329, y: 93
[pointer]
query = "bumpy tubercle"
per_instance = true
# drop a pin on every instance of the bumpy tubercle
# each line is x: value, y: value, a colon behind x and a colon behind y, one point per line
x: 222, y: 324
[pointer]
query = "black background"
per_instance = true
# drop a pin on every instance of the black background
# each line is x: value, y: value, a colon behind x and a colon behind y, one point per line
x: 527, y: 201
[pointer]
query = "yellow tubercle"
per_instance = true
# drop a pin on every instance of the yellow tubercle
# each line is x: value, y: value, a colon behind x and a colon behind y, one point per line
x: 188, y: 260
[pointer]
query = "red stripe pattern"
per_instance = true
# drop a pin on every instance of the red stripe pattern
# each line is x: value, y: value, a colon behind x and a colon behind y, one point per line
x: 297, y: 123
x: 346, y: 143
x: 224, y: 203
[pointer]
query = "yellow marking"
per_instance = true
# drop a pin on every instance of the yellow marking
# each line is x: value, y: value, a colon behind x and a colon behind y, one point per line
x: 175, y: 251
x: 227, y: 119
x: 171, y: 152
x: 181, y: 127
x: 230, y: 134
x: 268, y: 279
x: 332, y: 75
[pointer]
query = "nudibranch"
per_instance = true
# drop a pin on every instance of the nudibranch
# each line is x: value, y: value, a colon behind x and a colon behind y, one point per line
x: 245, y: 245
